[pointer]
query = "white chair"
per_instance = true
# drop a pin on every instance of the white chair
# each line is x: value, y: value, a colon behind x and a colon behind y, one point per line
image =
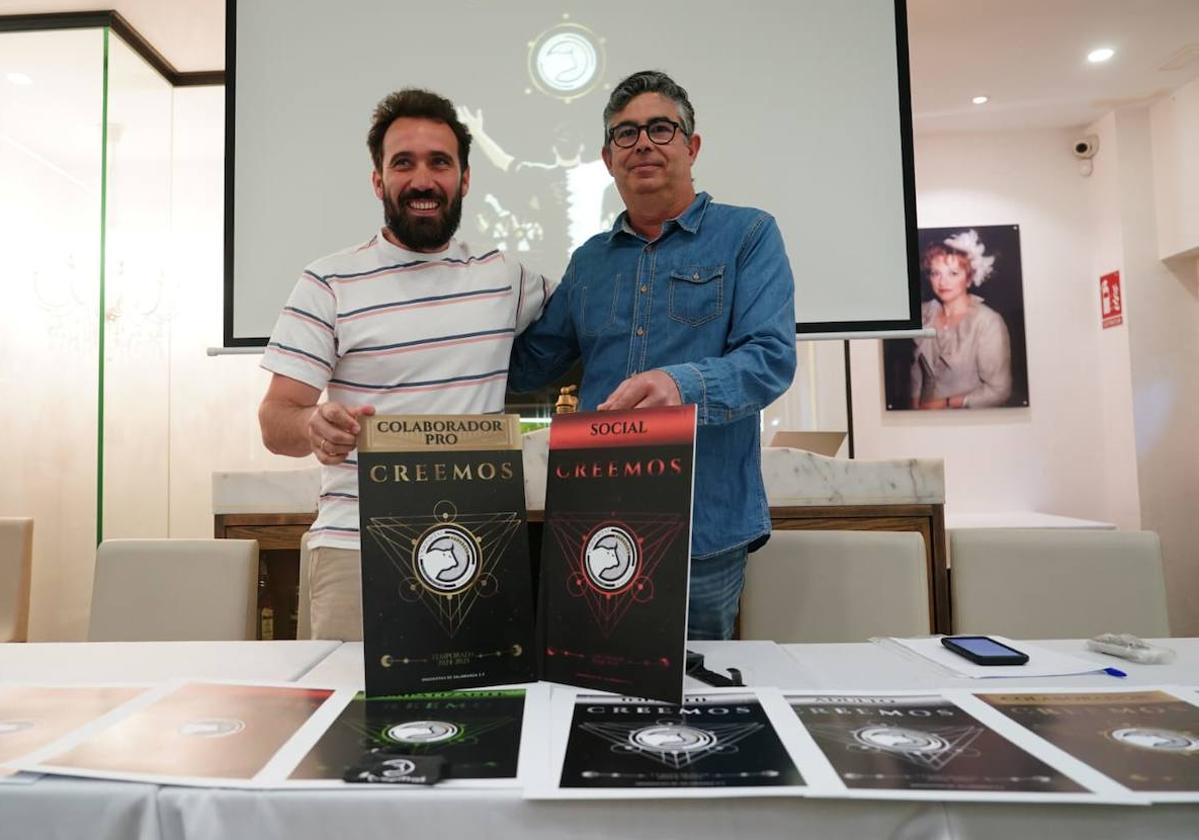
x: 16, y: 567
x: 303, y: 610
x: 1053, y: 583
x: 836, y: 586
x: 174, y: 590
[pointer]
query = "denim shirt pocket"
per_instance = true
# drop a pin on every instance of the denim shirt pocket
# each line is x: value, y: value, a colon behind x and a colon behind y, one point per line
x: 696, y: 294
x: 595, y: 306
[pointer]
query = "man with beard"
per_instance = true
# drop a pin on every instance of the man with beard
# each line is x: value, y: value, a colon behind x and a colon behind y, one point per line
x: 408, y: 322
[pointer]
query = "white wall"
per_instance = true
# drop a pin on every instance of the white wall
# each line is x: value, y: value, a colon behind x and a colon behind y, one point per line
x: 1053, y: 455
x: 1174, y: 139
x: 213, y: 400
x: 1110, y: 430
x: 172, y: 414
x: 1163, y: 328
x: 1105, y: 254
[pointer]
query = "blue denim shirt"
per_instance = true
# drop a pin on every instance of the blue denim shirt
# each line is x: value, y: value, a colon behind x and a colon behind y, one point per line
x: 710, y: 302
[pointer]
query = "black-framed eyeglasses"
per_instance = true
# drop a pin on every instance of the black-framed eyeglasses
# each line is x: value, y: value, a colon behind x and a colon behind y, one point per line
x: 660, y: 131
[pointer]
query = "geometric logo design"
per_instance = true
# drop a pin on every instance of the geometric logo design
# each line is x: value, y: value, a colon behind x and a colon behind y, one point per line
x: 445, y: 561
x: 416, y: 735
x: 680, y: 739
x: 397, y: 767
x: 898, y: 739
x: 211, y: 727
x: 673, y: 744
x: 610, y: 558
x: 1157, y: 740
x: 423, y: 732
x: 566, y: 61
x: 612, y: 564
x: 8, y: 727
x: 392, y: 768
x: 932, y: 749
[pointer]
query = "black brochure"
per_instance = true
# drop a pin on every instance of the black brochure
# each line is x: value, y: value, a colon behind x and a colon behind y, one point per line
x: 446, y: 586
x: 615, y: 558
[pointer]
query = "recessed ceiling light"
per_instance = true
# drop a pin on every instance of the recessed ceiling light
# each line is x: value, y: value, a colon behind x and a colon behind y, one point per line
x: 981, y: 100
x: 1100, y: 55
x: 18, y: 78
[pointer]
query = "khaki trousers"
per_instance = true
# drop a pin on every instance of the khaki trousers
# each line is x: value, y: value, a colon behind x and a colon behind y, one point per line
x: 335, y: 594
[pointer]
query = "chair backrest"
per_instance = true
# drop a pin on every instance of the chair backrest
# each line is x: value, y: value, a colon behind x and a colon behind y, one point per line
x: 836, y: 586
x: 16, y: 569
x: 1052, y: 583
x: 303, y: 610
x: 174, y: 590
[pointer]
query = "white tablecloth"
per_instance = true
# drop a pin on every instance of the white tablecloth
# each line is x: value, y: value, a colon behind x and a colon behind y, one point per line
x: 865, y: 666
x: 67, y: 808
x: 137, y: 662
x: 489, y: 815
x: 761, y: 663
x: 54, y: 807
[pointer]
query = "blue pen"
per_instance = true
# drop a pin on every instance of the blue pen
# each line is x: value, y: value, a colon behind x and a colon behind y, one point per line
x: 1114, y: 672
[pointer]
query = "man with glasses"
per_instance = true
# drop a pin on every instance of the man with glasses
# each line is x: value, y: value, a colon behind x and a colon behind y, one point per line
x: 683, y: 301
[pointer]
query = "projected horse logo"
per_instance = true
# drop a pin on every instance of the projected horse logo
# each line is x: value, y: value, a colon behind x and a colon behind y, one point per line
x: 566, y: 61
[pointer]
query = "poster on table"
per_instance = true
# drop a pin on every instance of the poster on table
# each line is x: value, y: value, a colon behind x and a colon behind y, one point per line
x: 615, y: 557
x: 926, y: 745
x: 1146, y: 740
x: 720, y: 743
x: 447, y: 598
x: 190, y: 733
x: 972, y: 296
x: 33, y: 716
x: 487, y: 737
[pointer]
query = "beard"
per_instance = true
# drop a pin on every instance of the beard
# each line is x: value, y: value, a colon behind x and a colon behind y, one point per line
x: 422, y: 233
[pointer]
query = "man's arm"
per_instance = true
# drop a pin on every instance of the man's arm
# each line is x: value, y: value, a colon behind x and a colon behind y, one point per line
x: 547, y: 347
x: 758, y: 362
x: 293, y: 423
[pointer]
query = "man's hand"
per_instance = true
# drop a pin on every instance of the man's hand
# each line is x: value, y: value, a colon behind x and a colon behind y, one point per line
x: 645, y: 390
x: 333, y: 430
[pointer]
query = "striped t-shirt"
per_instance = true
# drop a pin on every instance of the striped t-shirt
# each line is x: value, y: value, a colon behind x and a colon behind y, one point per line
x: 406, y: 332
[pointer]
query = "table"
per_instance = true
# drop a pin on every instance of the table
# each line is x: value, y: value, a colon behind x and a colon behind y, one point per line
x: 61, y: 807
x: 69, y: 808
x: 761, y: 663
x: 138, y: 662
x: 868, y: 666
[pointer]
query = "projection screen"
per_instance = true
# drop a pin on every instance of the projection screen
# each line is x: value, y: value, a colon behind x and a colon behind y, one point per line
x: 803, y: 107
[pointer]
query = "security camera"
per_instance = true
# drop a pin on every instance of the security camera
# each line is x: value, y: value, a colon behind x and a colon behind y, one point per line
x: 1084, y: 148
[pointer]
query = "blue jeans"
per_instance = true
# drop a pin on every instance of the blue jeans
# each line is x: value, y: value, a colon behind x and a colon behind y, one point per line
x: 715, y: 594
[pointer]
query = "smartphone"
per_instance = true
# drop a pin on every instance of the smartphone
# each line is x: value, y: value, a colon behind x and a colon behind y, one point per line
x: 983, y: 650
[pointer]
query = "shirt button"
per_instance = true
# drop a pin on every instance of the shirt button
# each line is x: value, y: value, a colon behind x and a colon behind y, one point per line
x: 644, y: 288
x: 641, y: 331
x: 695, y: 277
x: 649, y: 249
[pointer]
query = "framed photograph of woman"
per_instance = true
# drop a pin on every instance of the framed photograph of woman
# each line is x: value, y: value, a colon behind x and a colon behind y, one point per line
x: 972, y: 295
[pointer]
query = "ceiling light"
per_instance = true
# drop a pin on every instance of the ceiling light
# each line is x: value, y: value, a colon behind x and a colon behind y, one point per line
x: 18, y: 78
x: 981, y: 100
x: 1100, y: 55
